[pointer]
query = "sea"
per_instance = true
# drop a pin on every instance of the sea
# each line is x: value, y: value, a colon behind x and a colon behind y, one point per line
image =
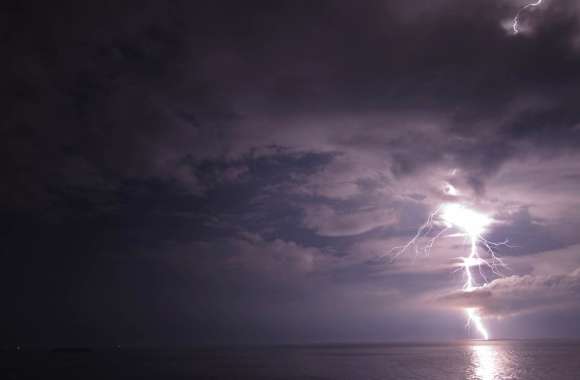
x: 482, y: 360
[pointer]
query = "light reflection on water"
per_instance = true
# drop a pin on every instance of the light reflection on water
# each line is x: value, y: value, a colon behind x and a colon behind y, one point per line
x: 466, y: 360
x: 490, y: 362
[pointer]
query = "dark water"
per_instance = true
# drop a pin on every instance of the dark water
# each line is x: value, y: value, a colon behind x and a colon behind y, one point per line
x: 469, y: 360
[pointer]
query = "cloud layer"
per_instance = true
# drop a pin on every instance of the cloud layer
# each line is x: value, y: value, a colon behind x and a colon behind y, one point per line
x: 513, y: 295
x: 191, y: 169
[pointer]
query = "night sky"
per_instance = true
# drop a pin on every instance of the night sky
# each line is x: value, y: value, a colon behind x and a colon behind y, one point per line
x: 222, y: 172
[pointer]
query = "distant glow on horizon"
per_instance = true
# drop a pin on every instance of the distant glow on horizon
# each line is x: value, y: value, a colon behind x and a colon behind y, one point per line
x: 516, y: 21
x: 472, y: 225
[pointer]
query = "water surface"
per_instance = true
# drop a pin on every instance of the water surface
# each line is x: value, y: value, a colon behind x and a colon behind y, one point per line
x: 465, y: 360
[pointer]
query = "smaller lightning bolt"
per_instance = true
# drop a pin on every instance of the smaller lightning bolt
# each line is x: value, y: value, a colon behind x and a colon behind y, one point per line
x: 516, y: 22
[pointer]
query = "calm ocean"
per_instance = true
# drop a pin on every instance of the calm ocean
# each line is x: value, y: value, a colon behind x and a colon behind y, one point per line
x: 558, y: 360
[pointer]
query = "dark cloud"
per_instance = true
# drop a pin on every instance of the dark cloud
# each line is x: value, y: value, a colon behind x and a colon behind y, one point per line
x: 525, y: 235
x: 327, y: 222
x: 238, y: 157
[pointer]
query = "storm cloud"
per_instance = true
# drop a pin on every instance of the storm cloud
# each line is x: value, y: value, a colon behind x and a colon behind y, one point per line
x: 237, y: 171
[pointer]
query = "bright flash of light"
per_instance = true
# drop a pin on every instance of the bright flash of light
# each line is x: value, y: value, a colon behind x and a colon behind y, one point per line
x: 516, y: 21
x: 476, y: 320
x: 456, y: 215
x: 471, y: 225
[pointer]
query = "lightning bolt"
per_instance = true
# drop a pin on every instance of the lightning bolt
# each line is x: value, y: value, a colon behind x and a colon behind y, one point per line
x: 471, y: 225
x: 516, y: 21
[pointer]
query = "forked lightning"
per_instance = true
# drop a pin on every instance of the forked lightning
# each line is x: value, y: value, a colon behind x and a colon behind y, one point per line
x: 469, y: 224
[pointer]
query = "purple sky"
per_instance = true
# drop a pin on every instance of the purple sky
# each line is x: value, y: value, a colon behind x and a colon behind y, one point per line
x: 178, y: 173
